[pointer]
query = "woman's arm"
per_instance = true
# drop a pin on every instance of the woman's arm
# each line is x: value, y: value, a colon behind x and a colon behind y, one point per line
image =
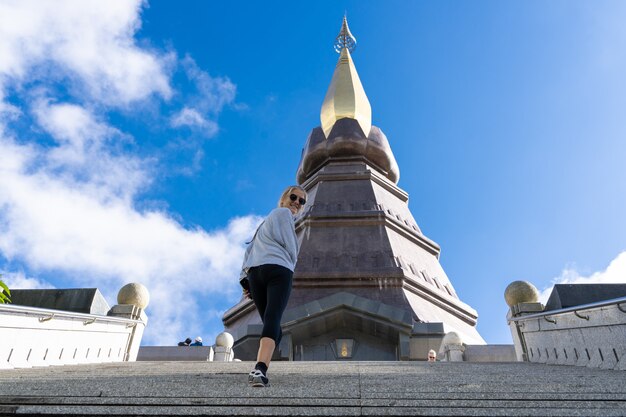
x: 285, y: 233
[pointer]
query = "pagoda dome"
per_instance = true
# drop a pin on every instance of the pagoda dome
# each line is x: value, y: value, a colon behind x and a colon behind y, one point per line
x: 347, y: 140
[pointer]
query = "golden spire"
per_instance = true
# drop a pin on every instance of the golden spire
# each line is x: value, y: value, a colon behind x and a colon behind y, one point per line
x: 345, y: 39
x: 345, y: 97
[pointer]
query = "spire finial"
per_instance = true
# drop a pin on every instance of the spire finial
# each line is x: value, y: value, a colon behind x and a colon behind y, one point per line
x: 345, y: 97
x: 345, y: 39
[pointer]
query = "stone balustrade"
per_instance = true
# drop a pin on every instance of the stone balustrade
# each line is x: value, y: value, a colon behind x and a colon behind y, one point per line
x: 222, y: 351
x: 42, y: 337
x: 176, y: 353
x: 591, y: 335
x: 32, y: 336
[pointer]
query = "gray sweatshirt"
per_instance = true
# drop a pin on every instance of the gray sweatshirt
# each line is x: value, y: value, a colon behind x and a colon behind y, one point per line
x: 275, y: 242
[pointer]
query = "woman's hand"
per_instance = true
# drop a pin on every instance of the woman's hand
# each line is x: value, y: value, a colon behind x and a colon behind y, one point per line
x: 246, y: 294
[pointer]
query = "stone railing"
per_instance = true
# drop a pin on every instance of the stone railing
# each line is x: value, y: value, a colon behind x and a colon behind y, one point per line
x: 452, y: 349
x: 222, y: 351
x: 176, y: 353
x: 41, y: 337
x: 592, y: 335
x: 32, y: 336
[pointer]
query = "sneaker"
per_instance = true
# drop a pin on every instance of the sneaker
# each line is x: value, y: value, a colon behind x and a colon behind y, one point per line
x: 251, y: 376
x: 259, y: 379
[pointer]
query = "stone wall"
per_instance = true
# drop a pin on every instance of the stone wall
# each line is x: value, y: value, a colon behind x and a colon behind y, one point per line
x: 71, y: 326
x: 221, y: 351
x: 489, y: 353
x: 42, y: 337
x: 591, y: 335
x: 175, y: 353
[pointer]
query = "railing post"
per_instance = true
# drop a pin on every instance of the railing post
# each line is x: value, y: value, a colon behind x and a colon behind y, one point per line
x: 132, y: 300
x: 522, y: 298
x: 224, y: 348
x: 452, y: 348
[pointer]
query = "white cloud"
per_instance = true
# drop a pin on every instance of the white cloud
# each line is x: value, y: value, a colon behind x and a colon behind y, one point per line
x: 193, y: 119
x: 68, y: 203
x: 70, y: 124
x: 52, y: 224
x: 89, y: 42
x: 8, y: 111
x: 210, y: 96
x: 613, y: 274
x: 15, y: 280
x: 85, y: 152
x: 213, y: 93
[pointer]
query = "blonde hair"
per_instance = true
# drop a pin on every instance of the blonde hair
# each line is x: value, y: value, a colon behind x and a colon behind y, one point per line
x: 288, y: 191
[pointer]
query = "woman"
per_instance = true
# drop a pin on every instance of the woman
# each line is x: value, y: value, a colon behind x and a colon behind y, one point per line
x: 269, y: 263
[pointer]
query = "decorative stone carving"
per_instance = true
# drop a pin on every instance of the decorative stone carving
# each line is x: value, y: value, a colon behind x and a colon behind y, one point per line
x: 224, y: 347
x: 452, y: 348
x: 224, y: 339
x: 135, y: 294
x: 520, y: 292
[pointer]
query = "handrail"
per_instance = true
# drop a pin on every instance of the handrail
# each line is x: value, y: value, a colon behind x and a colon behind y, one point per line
x: 604, y: 303
x: 53, y: 314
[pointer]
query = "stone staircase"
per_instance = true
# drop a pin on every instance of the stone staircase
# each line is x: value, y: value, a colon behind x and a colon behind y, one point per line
x: 314, y: 389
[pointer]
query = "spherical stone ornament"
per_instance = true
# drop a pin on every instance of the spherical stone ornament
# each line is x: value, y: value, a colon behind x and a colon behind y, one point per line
x: 520, y: 292
x: 134, y: 293
x: 225, y: 339
x: 451, y: 338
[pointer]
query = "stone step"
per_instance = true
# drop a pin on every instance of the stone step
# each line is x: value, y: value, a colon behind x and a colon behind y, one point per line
x: 314, y: 388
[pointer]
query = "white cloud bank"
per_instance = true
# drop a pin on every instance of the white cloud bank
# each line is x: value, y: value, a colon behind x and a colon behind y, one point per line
x: 89, y: 41
x: 68, y: 201
x: 615, y: 273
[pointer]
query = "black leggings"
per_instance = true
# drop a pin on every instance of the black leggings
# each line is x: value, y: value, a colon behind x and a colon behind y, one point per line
x: 270, y: 286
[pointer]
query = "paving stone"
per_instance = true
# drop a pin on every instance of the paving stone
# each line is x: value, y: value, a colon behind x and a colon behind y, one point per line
x: 314, y: 389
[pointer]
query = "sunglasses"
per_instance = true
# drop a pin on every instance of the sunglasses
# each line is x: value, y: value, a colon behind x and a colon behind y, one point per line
x: 301, y: 200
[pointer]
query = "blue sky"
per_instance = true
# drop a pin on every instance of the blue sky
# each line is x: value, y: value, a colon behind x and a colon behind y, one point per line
x: 143, y: 141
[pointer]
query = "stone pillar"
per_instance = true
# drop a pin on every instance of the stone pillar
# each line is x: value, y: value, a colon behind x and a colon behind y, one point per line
x: 522, y: 298
x: 132, y: 300
x: 452, y: 348
x: 424, y: 337
x: 404, y: 347
x: 454, y: 353
x: 224, y: 348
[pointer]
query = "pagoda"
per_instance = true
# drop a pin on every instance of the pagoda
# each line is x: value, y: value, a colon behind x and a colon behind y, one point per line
x: 368, y: 284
